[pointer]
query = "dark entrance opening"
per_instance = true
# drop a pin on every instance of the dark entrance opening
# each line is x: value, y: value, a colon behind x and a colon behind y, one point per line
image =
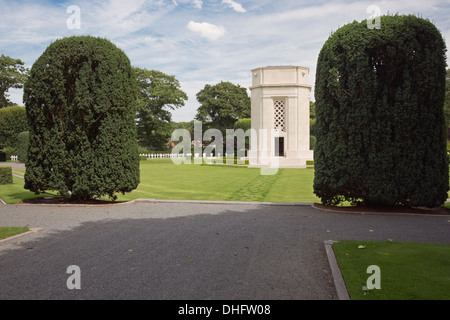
x: 279, y: 147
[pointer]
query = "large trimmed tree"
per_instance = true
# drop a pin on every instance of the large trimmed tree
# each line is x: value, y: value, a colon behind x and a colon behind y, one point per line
x: 80, y: 102
x: 380, y: 121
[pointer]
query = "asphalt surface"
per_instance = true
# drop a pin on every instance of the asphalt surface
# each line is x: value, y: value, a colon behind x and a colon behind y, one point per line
x: 189, y: 251
x: 13, y: 165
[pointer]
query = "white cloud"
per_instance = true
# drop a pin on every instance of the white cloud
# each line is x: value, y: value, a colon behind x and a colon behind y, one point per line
x: 113, y: 18
x: 38, y: 24
x: 235, y: 6
x: 198, y: 4
x: 207, y: 30
x: 27, y: 23
x: 155, y: 34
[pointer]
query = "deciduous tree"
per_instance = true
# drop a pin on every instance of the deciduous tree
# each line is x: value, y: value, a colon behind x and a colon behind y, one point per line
x: 158, y: 95
x: 13, y: 75
x: 222, y: 105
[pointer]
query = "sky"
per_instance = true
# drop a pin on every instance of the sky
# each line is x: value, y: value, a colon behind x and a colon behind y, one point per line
x: 200, y: 42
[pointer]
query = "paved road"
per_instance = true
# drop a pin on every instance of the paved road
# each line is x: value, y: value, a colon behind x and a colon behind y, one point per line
x: 13, y: 165
x: 190, y: 251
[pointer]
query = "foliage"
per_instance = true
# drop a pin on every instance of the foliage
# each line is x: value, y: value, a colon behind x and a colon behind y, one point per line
x: 80, y: 102
x: 312, y: 118
x: 447, y: 98
x: 13, y: 75
x: 244, y: 124
x: 9, y: 152
x: 189, y: 126
x: 23, y: 144
x: 158, y: 93
x: 222, y: 105
x: 312, y: 142
x: 380, y: 121
x: 13, y: 120
x: 312, y: 110
x: 6, y: 175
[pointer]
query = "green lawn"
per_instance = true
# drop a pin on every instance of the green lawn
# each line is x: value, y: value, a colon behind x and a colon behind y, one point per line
x: 161, y: 179
x: 6, y: 232
x: 15, y: 193
x: 19, y: 172
x: 409, y: 271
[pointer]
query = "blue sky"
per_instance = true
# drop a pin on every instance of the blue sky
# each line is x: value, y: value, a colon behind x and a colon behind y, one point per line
x: 200, y: 41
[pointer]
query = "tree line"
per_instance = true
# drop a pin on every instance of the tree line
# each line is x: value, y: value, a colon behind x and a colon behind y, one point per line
x: 158, y: 94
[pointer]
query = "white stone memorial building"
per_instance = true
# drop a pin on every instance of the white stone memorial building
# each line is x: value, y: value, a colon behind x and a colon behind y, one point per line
x: 280, y: 117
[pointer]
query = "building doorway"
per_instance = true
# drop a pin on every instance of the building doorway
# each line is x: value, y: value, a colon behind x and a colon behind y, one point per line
x: 279, y: 147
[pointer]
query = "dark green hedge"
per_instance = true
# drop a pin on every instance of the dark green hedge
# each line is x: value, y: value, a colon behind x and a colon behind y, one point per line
x: 80, y: 102
x: 380, y: 123
x: 23, y: 140
x: 6, y: 175
x: 13, y: 120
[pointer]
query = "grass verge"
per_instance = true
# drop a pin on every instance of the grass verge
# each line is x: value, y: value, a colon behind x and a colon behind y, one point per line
x: 408, y: 271
x: 15, y: 193
x: 7, y: 232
